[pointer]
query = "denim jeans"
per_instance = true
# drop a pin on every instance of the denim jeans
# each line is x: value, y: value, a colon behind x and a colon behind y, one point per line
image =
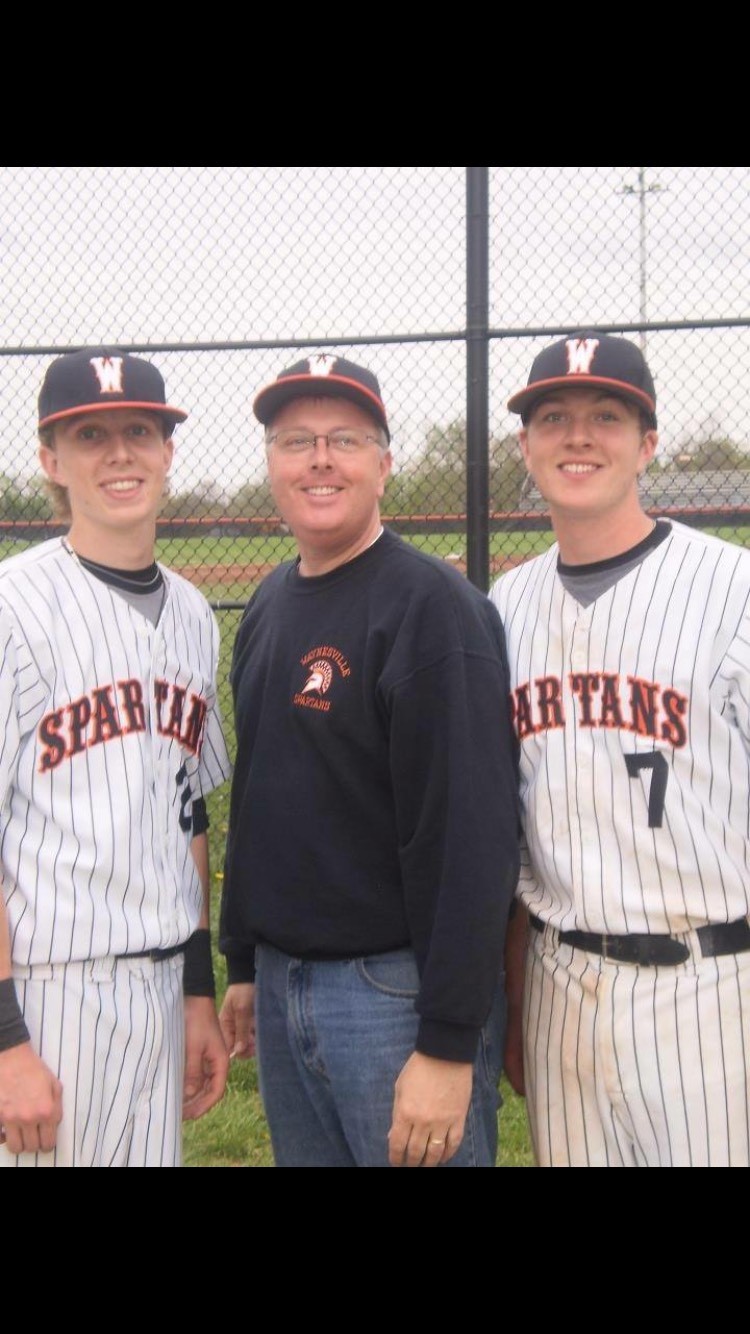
x: 331, y: 1040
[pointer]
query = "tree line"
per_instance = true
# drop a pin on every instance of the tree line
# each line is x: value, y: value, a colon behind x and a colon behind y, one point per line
x: 430, y: 482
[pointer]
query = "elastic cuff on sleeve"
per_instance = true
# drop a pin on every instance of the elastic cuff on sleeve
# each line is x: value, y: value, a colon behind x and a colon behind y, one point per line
x: 447, y: 1042
x: 240, y: 968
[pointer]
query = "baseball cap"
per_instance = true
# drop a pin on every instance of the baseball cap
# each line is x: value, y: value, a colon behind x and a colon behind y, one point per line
x: 96, y: 378
x: 588, y: 358
x: 322, y: 375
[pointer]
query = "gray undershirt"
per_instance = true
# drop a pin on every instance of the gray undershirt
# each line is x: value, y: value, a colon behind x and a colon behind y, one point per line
x: 143, y: 589
x: 587, y: 582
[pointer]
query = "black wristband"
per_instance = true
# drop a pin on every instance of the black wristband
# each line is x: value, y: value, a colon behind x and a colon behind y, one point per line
x: 200, y: 816
x: 198, y: 975
x: 13, y: 1030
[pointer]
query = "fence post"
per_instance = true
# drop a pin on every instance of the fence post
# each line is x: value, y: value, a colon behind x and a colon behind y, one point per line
x: 477, y: 376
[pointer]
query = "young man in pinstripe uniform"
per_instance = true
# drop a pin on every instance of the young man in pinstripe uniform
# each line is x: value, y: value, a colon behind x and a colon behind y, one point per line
x: 629, y: 648
x: 110, y: 739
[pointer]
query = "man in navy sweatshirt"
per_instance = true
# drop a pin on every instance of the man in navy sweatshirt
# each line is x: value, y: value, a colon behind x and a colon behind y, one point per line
x: 372, y: 850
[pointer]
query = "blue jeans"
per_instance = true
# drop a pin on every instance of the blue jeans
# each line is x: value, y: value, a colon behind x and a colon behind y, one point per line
x: 331, y: 1040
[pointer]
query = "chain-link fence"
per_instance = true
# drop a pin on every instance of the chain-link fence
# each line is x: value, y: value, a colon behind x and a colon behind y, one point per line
x: 445, y: 281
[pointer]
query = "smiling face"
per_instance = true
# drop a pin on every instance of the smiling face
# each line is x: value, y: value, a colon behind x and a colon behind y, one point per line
x: 330, y: 498
x: 586, y: 450
x: 113, y: 466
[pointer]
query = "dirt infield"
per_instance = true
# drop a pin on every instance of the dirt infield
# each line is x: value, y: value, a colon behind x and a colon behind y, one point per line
x: 251, y: 572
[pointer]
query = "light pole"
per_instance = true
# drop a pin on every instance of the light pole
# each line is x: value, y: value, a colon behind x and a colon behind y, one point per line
x: 641, y: 190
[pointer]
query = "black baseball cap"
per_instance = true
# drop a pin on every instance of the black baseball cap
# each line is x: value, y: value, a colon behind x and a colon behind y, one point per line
x: 322, y: 375
x: 99, y: 378
x: 589, y: 358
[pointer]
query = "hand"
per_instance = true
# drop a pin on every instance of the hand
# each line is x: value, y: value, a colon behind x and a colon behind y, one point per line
x: 30, y: 1101
x: 430, y: 1106
x: 206, y: 1058
x: 237, y: 1019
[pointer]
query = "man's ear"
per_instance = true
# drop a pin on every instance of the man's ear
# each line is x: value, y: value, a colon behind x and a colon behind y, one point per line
x: 649, y: 441
x: 49, y: 461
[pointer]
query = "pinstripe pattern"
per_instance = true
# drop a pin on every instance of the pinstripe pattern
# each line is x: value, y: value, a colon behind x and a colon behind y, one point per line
x: 630, y: 1066
x: 113, y: 1031
x: 102, y: 821
x: 648, y: 685
x: 109, y: 728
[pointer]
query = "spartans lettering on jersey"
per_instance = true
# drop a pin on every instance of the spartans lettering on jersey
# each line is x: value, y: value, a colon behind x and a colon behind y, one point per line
x: 114, y: 711
x: 643, y: 707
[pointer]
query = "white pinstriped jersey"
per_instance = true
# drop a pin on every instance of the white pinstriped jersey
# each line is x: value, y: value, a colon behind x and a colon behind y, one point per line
x: 633, y: 716
x: 109, y: 727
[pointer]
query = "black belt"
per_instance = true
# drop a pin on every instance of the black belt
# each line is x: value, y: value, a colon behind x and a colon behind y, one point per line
x: 155, y: 955
x: 724, y: 938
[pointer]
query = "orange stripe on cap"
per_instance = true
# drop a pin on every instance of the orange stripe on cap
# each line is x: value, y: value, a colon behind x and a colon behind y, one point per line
x: 164, y: 410
x: 339, y: 379
x: 523, y: 400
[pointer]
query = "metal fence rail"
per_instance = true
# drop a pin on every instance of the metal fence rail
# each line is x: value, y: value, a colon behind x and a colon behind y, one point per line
x: 444, y: 280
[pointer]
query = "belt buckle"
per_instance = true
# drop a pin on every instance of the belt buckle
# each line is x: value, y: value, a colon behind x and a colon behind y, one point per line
x: 613, y: 948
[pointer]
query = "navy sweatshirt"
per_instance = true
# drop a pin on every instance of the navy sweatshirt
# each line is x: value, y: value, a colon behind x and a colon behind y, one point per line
x: 374, y: 799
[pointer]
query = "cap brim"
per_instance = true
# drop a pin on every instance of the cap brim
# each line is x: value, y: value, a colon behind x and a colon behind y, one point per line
x: 173, y: 415
x: 525, y: 399
x: 275, y: 396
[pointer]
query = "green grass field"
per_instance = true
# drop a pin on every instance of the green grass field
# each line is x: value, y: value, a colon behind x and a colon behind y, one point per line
x: 206, y: 554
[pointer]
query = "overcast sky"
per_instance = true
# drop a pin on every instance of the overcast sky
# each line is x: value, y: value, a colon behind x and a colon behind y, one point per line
x: 185, y: 255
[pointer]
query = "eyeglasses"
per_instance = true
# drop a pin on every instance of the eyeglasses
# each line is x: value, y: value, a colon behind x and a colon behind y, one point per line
x: 301, y: 442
